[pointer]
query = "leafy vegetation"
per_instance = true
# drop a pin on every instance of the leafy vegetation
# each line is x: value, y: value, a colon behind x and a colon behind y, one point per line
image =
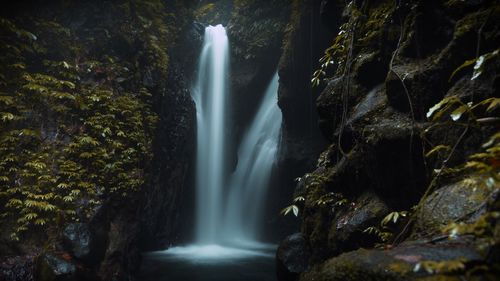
x: 338, y: 54
x: 385, y: 232
x: 478, y: 65
x: 291, y: 209
x: 76, y: 127
x: 310, y: 181
x: 451, y: 111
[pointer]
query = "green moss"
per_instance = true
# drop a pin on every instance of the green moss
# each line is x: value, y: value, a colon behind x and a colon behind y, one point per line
x: 371, y: 27
x: 400, y: 268
x: 441, y: 278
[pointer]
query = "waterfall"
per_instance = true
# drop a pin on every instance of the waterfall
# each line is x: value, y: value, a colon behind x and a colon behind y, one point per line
x: 229, y: 206
x: 256, y: 158
x: 210, y: 95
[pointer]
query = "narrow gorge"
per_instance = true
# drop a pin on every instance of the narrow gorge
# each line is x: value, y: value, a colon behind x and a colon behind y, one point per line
x: 240, y: 140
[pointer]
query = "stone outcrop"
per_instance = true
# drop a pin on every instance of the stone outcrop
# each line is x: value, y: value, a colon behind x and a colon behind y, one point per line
x: 381, y: 205
x: 292, y: 257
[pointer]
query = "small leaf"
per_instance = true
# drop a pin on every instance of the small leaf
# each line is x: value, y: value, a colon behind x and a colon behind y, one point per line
x: 40, y: 222
x: 493, y: 139
x: 464, y: 65
x: 341, y: 202
x: 395, y: 217
x: 493, y: 104
x: 478, y: 67
x: 7, y: 100
x: 62, y: 185
x: 299, y: 198
x: 292, y: 208
x: 457, y: 113
x: 437, y: 106
x: 372, y: 230
x: 315, y: 81
x: 32, y: 36
x: 7, y: 116
x: 436, y: 149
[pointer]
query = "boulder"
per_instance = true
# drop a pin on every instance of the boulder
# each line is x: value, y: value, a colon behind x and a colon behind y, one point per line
x: 462, y: 201
x: 78, y: 239
x: 347, y: 231
x: 292, y: 257
x: 410, y: 261
x: 17, y: 268
x: 51, y: 267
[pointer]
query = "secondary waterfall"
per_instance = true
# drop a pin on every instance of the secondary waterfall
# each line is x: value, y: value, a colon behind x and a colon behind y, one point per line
x: 210, y: 95
x: 229, y: 206
x: 249, y: 183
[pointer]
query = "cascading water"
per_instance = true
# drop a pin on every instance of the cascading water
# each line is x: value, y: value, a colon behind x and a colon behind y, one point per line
x: 249, y: 182
x: 229, y: 207
x: 210, y: 95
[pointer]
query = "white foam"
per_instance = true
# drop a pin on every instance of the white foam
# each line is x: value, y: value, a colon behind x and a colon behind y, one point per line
x: 214, y: 253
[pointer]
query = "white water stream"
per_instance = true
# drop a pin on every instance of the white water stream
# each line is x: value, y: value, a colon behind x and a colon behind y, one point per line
x: 210, y: 95
x: 229, y: 207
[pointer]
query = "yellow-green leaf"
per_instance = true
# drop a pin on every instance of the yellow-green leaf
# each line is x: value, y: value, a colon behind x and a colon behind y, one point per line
x: 457, y: 113
x: 436, y: 149
x: 464, y: 65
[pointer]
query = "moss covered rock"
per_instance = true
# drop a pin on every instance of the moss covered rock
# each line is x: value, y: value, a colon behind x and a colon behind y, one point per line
x: 413, y: 261
x: 464, y: 201
x: 387, y: 65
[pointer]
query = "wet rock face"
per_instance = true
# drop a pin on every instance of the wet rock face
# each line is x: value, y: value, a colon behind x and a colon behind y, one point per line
x: 17, y: 268
x: 405, y: 262
x: 347, y: 233
x: 369, y: 184
x: 463, y: 201
x: 435, y: 61
x: 78, y: 238
x: 303, y: 45
x: 122, y: 257
x: 175, y: 140
x: 55, y: 268
x: 372, y: 110
x: 292, y: 257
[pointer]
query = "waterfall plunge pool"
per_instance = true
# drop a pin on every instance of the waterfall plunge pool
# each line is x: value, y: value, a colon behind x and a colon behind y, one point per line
x: 210, y: 263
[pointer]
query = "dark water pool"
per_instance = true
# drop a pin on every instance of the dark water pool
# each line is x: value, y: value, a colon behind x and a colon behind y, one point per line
x: 212, y: 263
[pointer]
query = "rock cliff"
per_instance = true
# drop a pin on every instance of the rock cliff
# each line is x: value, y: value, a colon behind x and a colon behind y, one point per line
x: 408, y: 187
